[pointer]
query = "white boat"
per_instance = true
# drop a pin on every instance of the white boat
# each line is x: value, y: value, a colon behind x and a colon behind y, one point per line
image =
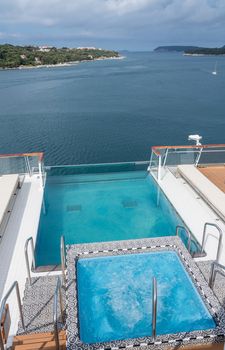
x: 214, y: 72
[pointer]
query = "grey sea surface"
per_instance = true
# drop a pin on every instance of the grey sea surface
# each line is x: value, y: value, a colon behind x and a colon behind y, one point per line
x: 112, y: 110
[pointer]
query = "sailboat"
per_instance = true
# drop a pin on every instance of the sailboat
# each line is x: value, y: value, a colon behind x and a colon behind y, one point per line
x: 214, y: 72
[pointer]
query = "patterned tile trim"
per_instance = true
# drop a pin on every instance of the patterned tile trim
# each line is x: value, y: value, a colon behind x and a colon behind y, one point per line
x: 80, y: 251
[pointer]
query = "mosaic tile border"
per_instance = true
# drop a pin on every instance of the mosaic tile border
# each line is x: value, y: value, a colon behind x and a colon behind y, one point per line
x: 80, y: 251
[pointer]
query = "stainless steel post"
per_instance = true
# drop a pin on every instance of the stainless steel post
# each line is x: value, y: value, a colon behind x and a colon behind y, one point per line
x: 58, y: 291
x: 30, y: 239
x: 159, y: 168
x: 219, y: 242
x: 154, y: 307
x: 63, y: 258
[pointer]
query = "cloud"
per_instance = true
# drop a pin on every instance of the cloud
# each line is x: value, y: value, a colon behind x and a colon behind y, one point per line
x: 116, y: 19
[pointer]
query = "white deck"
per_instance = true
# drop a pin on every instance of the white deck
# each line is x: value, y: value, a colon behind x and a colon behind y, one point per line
x: 194, y: 211
x: 23, y: 223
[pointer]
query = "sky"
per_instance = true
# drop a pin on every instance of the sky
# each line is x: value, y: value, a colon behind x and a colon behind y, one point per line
x: 113, y: 24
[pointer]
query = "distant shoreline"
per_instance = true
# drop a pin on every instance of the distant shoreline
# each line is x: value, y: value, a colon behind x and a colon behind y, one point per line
x: 202, y: 54
x: 65, y: 64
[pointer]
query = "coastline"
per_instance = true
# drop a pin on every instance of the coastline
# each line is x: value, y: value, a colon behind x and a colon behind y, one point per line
x: 202, y: 54
x: 66, y: 64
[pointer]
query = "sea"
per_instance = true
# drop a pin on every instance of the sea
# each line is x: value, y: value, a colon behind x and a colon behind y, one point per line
x: 112, y: 110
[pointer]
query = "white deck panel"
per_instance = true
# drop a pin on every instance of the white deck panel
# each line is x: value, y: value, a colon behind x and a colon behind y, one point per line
x: 194, y: 212
x: 22, y: 224
x: 207, y: 189
x: 8, y: 185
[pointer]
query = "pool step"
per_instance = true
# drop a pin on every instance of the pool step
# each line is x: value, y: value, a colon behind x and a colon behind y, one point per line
x: 38, y: 306
x: 39, y: 341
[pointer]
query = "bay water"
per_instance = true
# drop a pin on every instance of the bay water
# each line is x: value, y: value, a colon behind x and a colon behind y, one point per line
x: 112, y: 110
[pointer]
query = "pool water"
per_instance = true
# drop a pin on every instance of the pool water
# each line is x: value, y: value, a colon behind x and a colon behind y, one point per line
x: 101, y: 207
x: 115, y: 297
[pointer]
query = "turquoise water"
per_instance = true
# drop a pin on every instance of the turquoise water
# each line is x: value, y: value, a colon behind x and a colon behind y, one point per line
x: 101, y: 207
x: 110, y: 111
x: 115, y: 297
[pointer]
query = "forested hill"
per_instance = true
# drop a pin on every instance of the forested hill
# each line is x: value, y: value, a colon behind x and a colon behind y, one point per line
x: 206, y: 51
x: 174, y: 48
x: 16, y: 56
x: 192, y: 50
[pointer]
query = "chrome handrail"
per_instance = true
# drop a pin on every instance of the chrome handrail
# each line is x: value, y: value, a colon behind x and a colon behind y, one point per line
x: 179, y: 227
x: 30, y: 239
x: 2, y: 308
x: 154, y: 307
x: 213, y: 273
x: 58, y: 292
x: 219, y: 242
x: 63, y: 258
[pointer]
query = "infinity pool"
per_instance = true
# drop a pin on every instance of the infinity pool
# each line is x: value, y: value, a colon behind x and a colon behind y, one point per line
x: 115, y: 297
x: 94, y: 207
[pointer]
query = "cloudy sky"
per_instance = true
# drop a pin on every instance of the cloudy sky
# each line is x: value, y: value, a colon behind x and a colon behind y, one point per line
x: 118, y: 24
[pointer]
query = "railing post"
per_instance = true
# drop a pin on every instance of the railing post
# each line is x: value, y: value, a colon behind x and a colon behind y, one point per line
x: 159, y: 168
x: 198, y: 157
x: 2, y: 308
x: 28, y: 165
x: 212, y: 276
x: 55, y: 313
x: 150, y: 162
x: 154, y: 307
x: 40, y: 173
x: 165, y: 158
x: 20, y: 304
x: 63, y: 258
x: 213, y: 272
x: 219, y: 242
x: 30, y: 239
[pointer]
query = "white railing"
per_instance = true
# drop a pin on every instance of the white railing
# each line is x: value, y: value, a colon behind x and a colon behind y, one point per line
x: 172, y: 156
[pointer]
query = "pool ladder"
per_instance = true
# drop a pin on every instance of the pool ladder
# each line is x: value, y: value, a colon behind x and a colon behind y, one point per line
x: 32, y: 266
x: 178, y: 229
x: 204, y: 239
x: 58, y: 290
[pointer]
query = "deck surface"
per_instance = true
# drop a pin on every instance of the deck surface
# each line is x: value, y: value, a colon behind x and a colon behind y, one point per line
x: 38, y: 305
x: 216, y: 174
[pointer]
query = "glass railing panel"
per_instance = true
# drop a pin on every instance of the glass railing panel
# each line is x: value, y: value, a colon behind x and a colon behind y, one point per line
x: 14, y: 165
x: 97, y: 168
x: 19, y: 164
x: 180, y: 157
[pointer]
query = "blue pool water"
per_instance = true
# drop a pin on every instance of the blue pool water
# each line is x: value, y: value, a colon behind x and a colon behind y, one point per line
x: 101, y: 207
x: 115, y: 297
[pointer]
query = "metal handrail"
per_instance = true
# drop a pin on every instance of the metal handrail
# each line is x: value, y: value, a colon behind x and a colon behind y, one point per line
x: 63, y: 258
x: 156, y: 149
x: 163, y: 152
x: 219, y: 242
x: 213, y: 272
x: 154, y: 307
x: 58, y: 292
x: 2, y: 308
x: 179, y: 227
x: 30, y: 239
